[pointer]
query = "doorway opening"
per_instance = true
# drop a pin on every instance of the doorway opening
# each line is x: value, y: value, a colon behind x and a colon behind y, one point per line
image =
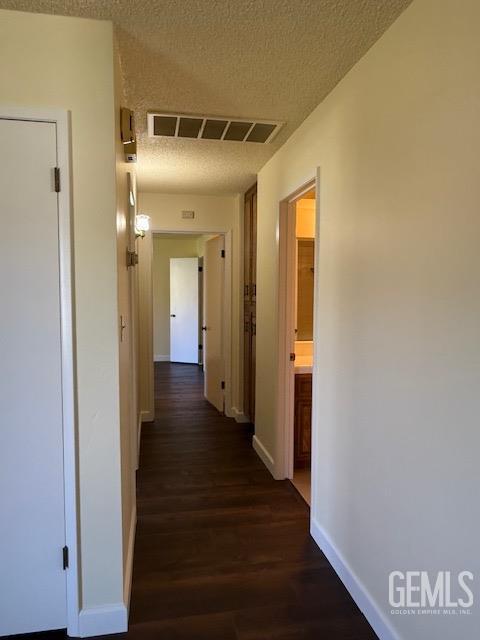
x: 296, y: 329
x: 189, y: 296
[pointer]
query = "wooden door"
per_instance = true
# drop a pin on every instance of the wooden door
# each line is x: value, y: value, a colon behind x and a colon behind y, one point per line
x: 32, y: 529
x: 249, y: 302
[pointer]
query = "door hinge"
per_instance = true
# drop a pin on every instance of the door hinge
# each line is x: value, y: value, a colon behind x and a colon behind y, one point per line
x: 65, y: 558
x: 200, y: 269
x: 200, y: 347
x: 222, y: 253
x: 223, y: 384
x: 56, y: 175
x: 132, y: 258
x: 292, y: 357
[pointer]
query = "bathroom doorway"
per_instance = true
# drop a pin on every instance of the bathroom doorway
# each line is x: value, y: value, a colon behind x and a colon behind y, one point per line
x: 297, y: 273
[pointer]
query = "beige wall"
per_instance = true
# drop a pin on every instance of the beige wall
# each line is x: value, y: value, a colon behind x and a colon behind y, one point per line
x: 67, y: 63
x: 397, y: 307
x: 212, y: 214
x: 129, y: 415
x: 305, y: 218
x: 164, y: 249
x: 201, y: 244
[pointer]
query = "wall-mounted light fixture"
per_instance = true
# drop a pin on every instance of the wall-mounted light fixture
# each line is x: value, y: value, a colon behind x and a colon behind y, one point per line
x: 142, y: 224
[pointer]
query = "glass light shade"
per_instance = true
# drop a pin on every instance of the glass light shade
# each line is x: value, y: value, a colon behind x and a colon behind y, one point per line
x: 142, y: 222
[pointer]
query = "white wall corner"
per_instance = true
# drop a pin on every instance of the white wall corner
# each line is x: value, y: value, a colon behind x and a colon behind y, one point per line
x: 239, y: 415
x: 161, y: 358
x: 127, y: 580
x: 367, y: 605
x: 103, y: 620
x: 264, y: 455
x: 147, y: 416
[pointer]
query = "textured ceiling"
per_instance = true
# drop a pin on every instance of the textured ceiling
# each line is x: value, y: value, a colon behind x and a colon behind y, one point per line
x: 265, y: 59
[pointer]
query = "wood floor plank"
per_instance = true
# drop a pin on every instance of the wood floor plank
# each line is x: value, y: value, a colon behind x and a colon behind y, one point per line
x: 220, y: 544
x: 223, y: 551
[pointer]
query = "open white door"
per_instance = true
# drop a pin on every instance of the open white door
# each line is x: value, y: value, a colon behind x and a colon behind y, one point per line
x: 32, y: 529
x: 184, y: 310
x: 213, y: 286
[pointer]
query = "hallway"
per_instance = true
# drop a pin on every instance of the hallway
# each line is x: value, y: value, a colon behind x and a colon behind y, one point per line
x: 222, y: 550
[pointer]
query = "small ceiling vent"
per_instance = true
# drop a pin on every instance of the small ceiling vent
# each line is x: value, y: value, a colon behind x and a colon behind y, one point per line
x: 170, y: 125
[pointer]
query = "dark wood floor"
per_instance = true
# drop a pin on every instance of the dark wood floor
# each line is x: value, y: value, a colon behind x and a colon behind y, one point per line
x: 222, y: 550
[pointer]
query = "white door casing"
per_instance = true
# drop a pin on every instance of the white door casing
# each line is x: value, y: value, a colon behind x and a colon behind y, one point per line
x: 213, y: 339
x: 34, y: 326
x: 184, y: 310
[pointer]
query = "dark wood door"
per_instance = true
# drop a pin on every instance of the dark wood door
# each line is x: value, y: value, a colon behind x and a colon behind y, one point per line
x: 249, y: 301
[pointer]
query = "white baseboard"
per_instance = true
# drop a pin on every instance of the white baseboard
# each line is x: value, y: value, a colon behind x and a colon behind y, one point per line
x: 147, y: 416
x: 239, y: 416
x: 353, y: 584
x: 127, y: 585
x: 263, y: 454
x: 160, y: 358
x: 99, y: 621
x: 139, y: 438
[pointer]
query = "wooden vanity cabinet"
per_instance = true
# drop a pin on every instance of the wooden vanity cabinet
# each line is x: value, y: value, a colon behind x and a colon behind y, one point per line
x: 303, y: 421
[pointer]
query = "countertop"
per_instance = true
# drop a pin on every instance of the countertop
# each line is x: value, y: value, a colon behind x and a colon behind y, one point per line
x: 303, y: 364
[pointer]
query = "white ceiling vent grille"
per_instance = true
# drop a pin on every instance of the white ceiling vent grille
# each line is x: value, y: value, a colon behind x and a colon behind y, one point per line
x: 176, y: 125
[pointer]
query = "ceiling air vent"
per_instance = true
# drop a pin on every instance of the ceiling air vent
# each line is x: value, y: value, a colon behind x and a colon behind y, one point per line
x: 170, y: 125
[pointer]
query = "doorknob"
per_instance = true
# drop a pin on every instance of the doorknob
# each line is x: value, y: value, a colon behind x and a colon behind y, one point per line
x: 172, y: 315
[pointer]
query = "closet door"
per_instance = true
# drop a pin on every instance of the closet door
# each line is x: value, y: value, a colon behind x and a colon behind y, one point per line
x: 32, y: 521
x: 213, y: 287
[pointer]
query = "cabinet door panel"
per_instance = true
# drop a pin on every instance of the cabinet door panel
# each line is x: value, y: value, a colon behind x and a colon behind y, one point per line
x: 303, y: 421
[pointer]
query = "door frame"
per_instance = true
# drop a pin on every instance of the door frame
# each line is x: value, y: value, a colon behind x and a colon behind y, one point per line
x: 227, y: 298
x: 286, y: 328
x: 62, y: 122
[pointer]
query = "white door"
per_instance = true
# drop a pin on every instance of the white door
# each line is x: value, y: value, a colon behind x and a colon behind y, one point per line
x: 184, y: 310
x: 32, y: 520
x: 213, y: 285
